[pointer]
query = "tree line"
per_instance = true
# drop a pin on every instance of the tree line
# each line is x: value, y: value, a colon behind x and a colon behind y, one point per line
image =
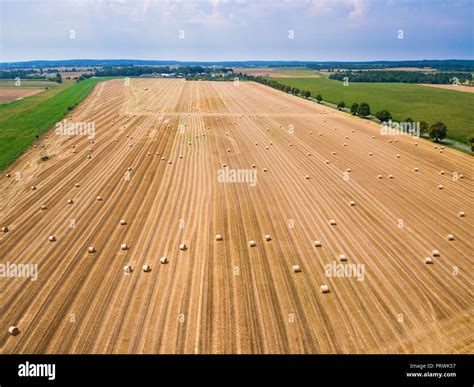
x: 402, y: 76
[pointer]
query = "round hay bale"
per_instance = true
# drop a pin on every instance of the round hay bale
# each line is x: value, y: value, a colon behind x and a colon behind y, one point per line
x: 352, y: 203
x: 52, y: 238
x: 379, y: 177
x: 440, y: 186
x: 390, y: 176
x: 253, y: 165
x: 123, y: 222
x: 308, y: 154
x: 170, y: 162
x: 43, y: 207
x: 70, y: 201
x: 224, y: 165
x: 228, y: 150
x: 324, y: 289
x: 297, y: 268
x: 268, y: 238
x: 33, y: 187
x: 348, y: 170
x: 127, y: 269
x: 163, y: 159
x: 91, y: 250
x: 317, y: 244
x: 373, y: 137
x: 256, y: 143
x: 347, y: 137
x: 252, y: 243
x: 189, y: 142
x: 8, y: 175
x: 344, y: 144
x: 271, y: 143
x: 5, y: 229
x: 398, y: 156
x: 163, y: 260
x: 461, y: 214
x: 333, y: 153
x: 183, y: 246
x: 146, y: 268
x: 371, y: 154
x: 450, y: 237
x: 342, y: 257
x: 332, y: 222
x: 435, y: 253
x: 429, y: 260
x: 99, y: 198
x: 416, y: 169
x: 219, y: 237
x: 307, y: 177
x: 124, y: 246
x: 13, y: 331
x: 180, y: 156
x: 76, y: 185
x: 267, y: 148
x: 327, y: 162
x: 320, y: 134
x: 265, y: 169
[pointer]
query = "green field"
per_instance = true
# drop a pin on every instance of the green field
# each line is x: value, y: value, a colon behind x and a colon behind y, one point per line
x: 21, y: 120
x: 27, y: 83
x: 403, y: 100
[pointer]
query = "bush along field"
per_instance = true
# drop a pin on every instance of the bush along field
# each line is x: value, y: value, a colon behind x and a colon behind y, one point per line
x: 22, y: 121
x: 420, y: 103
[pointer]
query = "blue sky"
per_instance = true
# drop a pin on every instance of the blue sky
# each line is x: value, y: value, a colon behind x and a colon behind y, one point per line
x: 346, y: 30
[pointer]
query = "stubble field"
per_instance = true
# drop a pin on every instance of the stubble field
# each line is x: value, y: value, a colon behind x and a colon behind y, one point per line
x: 223, y: 296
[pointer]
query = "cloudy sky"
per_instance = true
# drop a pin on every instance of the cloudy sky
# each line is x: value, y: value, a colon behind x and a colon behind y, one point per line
x: 237, y: 29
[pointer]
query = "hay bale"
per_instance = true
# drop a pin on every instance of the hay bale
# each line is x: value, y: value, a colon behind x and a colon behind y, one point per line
x: 76, y: 185
x: 146, y: 268
x: 320, y: 134
x: 253, y: 165
x: 333, y: 153
x: 89, y: 156
x: 99, y: 198
x: 390, y: 176
x: 332, y: 222
x: 347, y: 137
x: 13, y: 331
x: 308, y: 154
x: 91, y: 250
x: 265, y: 169
x: 371, y: 154
x: 324, y: 289
x: 123, y: 222
x: 43, y: 207
x: 33, y: 187
x: 307, y: 177
x: 373, y: 137
x: 327, y: 161
x: 219, y: 237
x: 180, y: 156
x: 435, y: 253
x: 416, y: 169
x: 170, y: 162
x: 129, y: 169
x: 70, y: 201
x: 352, y: 203
x: 348, y: 170
x: 450, y: 237
x: 344, y: 144
x: 398, y: 156
x: 461, y: 214
x: 342, y: 258
x: 440, y: 186
x: 268, y: 237
x: 163, y: 159
x: 124, y: 246
x: 8, y: 175
x: 429, y: 260
x: 297, y: 268
x: 267, y: 148
x: 317, y: 244
x: 183, y: 246
x: 228, y: 150
x: 52, y: 238
x: 5, y: 229
x: 127, y: 269
x: 252, y: 243
x: 379, y: 177
x: 164, y: 260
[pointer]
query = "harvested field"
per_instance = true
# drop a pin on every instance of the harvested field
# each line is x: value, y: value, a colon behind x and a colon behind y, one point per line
x: 14, y: 93
x: 222, y: 295
x: 467, y: 89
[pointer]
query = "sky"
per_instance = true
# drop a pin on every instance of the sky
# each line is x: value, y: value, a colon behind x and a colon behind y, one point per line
x: 218, y: 30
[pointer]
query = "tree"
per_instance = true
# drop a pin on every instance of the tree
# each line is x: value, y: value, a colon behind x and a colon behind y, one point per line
x: 363, y: 110
x: 319, y: 98
x: 303, y: 92
x: 423, y: 127
x: 470, y: 140
x: 341, y: 105
x: 354, y: 109
x: 288, y: 88
x: 437, y: 131
x: 297, y: 91
x: 59, y: 79
x: 383, y: 115
x: 307, y: 94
